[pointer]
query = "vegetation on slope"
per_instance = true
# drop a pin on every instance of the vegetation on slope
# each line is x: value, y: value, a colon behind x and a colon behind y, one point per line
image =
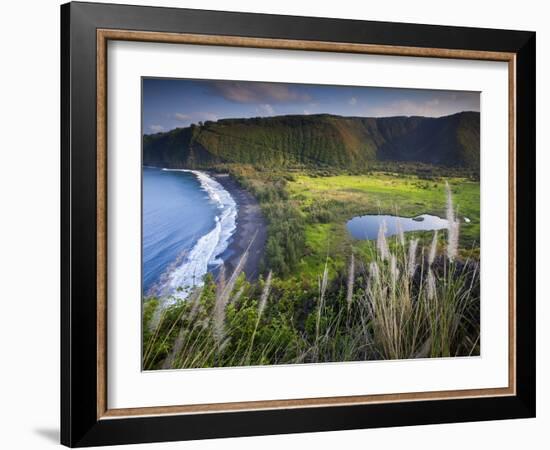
x: 319, y: 141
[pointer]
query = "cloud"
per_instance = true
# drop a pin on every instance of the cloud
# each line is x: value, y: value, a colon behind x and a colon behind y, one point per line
x: 204, y: 115
x: 170, y: 121
x: 254, y: 92
x: 156, y: 128
x: 434, y: 107
x: 352, y: 101
x: 265, y: 109
x: 196, y: 116
x: 182, y: 117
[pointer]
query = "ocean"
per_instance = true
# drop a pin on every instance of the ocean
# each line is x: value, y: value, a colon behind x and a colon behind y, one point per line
x: 188, y: 221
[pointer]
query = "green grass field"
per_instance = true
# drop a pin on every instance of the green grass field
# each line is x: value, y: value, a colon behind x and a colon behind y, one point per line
x: 341, y: 197
x: 399, y: 194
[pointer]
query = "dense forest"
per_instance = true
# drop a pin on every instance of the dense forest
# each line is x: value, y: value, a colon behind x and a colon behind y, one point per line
x: 323, y: 140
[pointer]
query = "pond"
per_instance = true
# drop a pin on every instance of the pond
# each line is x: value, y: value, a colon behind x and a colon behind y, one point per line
x: 366, y: 227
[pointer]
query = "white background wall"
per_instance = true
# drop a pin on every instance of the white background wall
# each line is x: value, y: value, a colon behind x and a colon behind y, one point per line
x: 29, y: 224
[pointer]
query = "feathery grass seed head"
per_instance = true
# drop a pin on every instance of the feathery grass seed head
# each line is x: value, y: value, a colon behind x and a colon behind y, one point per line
x: 431, y: 286
x: 413, y: 244
x: 382, y: 243
x: 400, y: 233
x: 374, y: 272
x: 265, y: 294
x: 433, y: 249
x: 222, y: 296
x: 351, y: 280
x: 394, y: 271
x: 453, y: 226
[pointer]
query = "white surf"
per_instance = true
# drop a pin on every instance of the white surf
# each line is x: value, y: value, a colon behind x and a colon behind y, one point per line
x: 205, y: 254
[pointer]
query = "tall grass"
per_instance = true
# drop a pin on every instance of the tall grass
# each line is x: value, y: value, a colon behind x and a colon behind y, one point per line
x: 401, y: 301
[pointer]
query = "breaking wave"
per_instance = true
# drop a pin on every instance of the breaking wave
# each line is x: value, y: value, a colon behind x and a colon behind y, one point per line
x: 189, y: 270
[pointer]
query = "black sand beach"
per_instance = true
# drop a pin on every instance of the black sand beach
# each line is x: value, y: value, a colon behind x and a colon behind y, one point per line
x: 250, y: 222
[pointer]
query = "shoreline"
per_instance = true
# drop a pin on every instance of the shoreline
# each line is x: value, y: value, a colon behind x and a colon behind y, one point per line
x: 250, y: 220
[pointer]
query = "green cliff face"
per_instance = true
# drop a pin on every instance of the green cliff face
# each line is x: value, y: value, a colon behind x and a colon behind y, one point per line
x: 320, y: 140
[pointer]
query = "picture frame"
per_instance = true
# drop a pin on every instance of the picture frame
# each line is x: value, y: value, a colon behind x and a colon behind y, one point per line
x: 86, y: 418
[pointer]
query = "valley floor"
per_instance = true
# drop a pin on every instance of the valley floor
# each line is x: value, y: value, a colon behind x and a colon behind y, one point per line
x: 329, y: 202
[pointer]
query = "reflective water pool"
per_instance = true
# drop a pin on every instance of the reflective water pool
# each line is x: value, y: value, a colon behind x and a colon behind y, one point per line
x: 366, y: 227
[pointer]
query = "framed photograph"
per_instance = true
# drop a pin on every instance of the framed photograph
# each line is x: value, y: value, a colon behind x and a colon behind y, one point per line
x: 276, y: 224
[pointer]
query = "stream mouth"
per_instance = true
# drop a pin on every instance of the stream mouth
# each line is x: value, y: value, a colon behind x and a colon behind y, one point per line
x: 366, y: 227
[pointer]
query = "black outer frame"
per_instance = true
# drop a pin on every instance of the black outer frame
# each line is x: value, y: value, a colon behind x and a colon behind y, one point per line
x: 79, y: 423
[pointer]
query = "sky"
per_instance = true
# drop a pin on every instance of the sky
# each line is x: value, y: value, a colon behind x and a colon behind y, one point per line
x: 173, y: 103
